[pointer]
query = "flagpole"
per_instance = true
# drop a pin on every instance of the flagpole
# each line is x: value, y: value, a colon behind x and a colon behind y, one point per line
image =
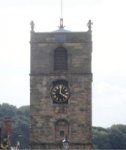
x: 61, y: 9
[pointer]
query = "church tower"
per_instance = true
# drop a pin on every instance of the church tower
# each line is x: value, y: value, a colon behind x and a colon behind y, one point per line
x: 60, y: 89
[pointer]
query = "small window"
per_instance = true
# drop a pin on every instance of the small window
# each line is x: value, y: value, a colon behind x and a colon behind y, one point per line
x: 60, y: 59
x: 62, y: 133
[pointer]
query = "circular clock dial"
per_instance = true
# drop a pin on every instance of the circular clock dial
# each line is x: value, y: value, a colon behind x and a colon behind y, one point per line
x: 60, y: 93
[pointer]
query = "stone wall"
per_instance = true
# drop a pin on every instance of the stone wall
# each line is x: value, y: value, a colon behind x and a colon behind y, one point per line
x: 77, y: 113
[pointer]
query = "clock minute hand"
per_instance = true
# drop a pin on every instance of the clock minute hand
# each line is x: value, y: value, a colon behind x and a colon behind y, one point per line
x: 60, y: 89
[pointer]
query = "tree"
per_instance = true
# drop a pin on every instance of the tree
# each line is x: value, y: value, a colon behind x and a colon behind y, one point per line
x: 100, y: 138
x: 117, y: 136
x: 20, y: 120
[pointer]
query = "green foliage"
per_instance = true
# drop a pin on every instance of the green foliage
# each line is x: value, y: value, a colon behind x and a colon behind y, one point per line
x: 20, y: 123
x: 100, y: 138
x: 110, y: 138
x: 117, y: 136
x: 7, y: 110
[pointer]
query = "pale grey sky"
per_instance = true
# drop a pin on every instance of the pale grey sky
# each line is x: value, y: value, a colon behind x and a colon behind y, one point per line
x: 109, y: 49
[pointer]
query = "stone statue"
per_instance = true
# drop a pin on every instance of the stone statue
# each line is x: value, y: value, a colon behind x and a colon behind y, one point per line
x: 89, y: 24
x: 32, y: 26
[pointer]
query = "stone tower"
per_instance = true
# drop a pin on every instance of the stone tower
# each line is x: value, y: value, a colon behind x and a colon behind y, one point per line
x: 60, y: 89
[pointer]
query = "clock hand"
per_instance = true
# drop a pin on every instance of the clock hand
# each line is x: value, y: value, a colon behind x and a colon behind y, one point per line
x: 60, y: 89
x: 63, y: 95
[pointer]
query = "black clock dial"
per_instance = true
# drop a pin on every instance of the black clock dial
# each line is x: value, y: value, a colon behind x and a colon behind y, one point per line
x: 60, y: 93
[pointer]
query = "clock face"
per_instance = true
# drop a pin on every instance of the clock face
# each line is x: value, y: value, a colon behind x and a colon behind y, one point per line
x: 60, y: 93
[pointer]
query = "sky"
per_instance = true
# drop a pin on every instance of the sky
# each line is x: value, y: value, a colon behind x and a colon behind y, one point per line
x: 108, y: 57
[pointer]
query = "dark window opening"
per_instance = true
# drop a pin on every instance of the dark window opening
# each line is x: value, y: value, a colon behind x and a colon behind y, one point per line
x: 60, y: 59
x: 62, y: 133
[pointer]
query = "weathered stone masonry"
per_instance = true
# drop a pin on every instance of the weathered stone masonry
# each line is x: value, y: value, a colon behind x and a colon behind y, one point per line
x: 48, y: 120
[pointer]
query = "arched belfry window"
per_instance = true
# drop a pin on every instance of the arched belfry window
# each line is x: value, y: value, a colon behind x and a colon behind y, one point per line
x: 60, y: 59
x: 61, y: 129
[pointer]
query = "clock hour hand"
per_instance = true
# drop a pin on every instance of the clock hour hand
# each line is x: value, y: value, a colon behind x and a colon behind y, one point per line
x: 60, y: 87
x: 63, y: 95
